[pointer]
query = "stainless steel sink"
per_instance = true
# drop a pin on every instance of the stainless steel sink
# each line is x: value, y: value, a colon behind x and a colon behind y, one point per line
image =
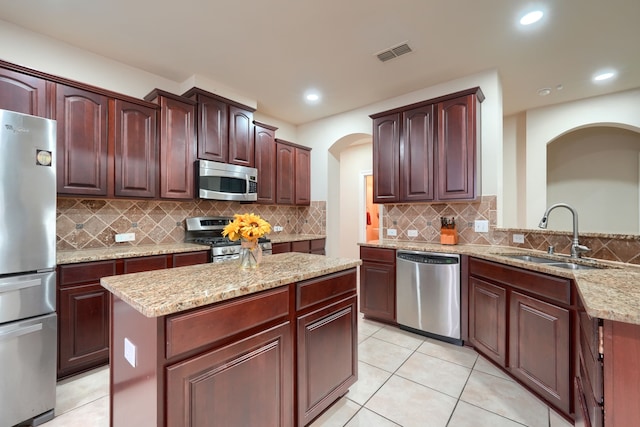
x: 553, y: 262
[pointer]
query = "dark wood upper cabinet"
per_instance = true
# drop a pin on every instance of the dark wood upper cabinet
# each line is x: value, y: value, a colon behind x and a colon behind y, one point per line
x: 303, y: 177
x: 428, y: 151
x: 265, y: 162
x: 293, y: 169
x: 135, y: 149
x: 81, y: 141
x: 177, y: 144
x: 224, y: 128
x: 417, y: 154
x: 241, y: 139
x: 386, y: 158
x: 22, y: 93
x: 457, y: 124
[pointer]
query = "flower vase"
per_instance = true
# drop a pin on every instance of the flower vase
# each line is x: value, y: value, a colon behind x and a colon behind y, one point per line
x: 250, y: 254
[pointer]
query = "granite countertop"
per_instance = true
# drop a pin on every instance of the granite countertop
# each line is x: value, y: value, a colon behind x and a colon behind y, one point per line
x: 281, y: 238
x: 611, y: 293
x: 161, y: 292
x: 117, y: 252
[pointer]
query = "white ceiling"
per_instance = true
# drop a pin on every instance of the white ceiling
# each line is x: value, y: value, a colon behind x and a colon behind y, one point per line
x: 273, y: 50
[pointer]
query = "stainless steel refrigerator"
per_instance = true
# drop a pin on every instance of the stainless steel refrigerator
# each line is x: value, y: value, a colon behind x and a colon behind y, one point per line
x: 28, y: 324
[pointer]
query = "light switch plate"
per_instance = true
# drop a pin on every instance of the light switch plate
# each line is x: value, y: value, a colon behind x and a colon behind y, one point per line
x: 130, y: 352
x: 481, y: 226
x: 391, y: 232
x: 518, y: 238
x: 412, y: 233
x: 277, y: 228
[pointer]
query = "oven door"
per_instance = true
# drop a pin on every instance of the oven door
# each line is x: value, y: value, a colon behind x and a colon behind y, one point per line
x: 220, y: 181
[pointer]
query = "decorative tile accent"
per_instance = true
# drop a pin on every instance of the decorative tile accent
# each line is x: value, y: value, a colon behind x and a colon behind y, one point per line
x: 88, y: 223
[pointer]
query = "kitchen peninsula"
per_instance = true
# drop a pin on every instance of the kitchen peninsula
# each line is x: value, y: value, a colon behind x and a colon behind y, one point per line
x: 274, y: 345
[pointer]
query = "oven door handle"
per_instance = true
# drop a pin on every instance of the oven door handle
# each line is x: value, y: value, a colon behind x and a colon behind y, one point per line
x: 15, y: 286
x: 20, y: 331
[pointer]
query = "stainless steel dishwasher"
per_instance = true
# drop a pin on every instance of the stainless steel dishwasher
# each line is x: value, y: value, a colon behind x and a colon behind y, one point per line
x: 428, y: 294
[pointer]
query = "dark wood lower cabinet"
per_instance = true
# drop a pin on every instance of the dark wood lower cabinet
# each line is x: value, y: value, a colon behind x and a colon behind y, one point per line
x: 378, y: 283
x: 539, y: 348
x: 83, y: 328
x: 247, y: 383
x: 488, y: 319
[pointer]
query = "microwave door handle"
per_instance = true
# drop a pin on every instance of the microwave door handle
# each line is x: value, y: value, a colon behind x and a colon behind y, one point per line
x: 247, y: 187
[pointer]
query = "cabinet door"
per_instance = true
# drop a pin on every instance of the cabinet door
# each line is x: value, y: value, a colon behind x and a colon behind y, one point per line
x: 177, y: 149
x: 457, y: 148
x: 417, y: 154
x: 317, y: 246
x: 539, y: 342
x: 327, y: 357
x: 213, y: 129
x: 285, y: 170
x: 386, y: 159
x: 488, y: 319
x: 191, y: 258
x: 136, y: 148
x: 241, y: 142
x: 302, y: 177
x: 280, y: 248
x: 82, y: 141
x: 83, y: 328
x: 147, y: 263
x: 246, y: 383
x: 378, y: 290
x: 301, y: 246
x: 22, y: 93
x: 265, y: 162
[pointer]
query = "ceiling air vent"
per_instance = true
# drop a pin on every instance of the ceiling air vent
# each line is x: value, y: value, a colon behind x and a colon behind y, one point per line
x: 393, y: 52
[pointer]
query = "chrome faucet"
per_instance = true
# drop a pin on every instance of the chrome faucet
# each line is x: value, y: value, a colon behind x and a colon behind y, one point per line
x: 576, y: 248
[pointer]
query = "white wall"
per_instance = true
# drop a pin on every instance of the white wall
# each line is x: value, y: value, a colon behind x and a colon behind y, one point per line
x: 543, y: 125
x: 321, y: 135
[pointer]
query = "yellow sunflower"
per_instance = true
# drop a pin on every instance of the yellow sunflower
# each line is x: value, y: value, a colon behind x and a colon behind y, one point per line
x: 247, y: 226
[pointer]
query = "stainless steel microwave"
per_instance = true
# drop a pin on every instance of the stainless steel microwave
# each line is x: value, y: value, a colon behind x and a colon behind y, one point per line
x: 221, y: 181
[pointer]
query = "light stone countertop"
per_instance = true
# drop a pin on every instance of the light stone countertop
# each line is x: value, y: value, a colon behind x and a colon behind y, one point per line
x: 117, y: 252
x: 611, y: 293
x: 161, y: 292
x: 281, y: 238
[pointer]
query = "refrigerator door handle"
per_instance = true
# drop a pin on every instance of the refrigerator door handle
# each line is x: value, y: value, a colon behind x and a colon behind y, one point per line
x: 20, y: 331
x: 10, y: 287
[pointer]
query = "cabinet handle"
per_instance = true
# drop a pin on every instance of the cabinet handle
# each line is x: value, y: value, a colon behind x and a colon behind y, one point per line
x: 600, y: 341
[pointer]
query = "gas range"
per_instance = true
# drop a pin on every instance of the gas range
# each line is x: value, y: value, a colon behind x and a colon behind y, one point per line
x: 207, y: 230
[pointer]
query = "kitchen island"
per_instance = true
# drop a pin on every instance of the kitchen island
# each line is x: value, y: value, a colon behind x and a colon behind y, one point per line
x: 212, y: 344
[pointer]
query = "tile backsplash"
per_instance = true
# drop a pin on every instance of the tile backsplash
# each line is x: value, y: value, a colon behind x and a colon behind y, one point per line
x: 93, y: 223
x: 425, y: 219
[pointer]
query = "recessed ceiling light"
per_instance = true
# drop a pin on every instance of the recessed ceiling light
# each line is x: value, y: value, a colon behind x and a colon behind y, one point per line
x: 312, y: 96
x: 602, y: 76
x: 531, y: 17
x: 544, y: 91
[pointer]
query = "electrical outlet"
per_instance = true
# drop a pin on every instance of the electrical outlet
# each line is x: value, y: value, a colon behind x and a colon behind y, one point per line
x: 277, y: 228
x: 518, y: 238
x: 412, y: 233
x: 125, y: 237
x: 481, y: 226
x: 391, y: 232
x: 130, y: 352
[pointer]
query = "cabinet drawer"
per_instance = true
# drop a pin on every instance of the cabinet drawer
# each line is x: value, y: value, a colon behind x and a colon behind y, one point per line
x: 378, y: 254
x: 300, y: 246
x: 281, y: 248
x: 148, y: 263
x: 191, y: 258
x: 206, y: 326
x: 314, y: 291
x: 593, y: 369
x: 592, y: 407
x: 317, y: 245
x: 551, y: 287
x: 589, y: 327
x: 86, y: 272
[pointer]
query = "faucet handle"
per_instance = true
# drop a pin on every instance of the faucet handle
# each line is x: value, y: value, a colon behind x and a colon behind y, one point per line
x: 579, y: 249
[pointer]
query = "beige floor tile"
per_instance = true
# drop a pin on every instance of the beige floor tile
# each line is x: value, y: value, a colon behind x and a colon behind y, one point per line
x: 438, y: 374
x: 466, y: 415
x: 556, y: 420
x: 410, y: 404
x: 399, y: 337
x: 81, y: 389
x: 382, y: 354
x: 505, y: 398
x: 367, y: 418
x: 483, y: 365
x: 93, y: 414
x: 464, y: 356
x: 337, y: 415
x: 368, y: 327
x: 370, y: 379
